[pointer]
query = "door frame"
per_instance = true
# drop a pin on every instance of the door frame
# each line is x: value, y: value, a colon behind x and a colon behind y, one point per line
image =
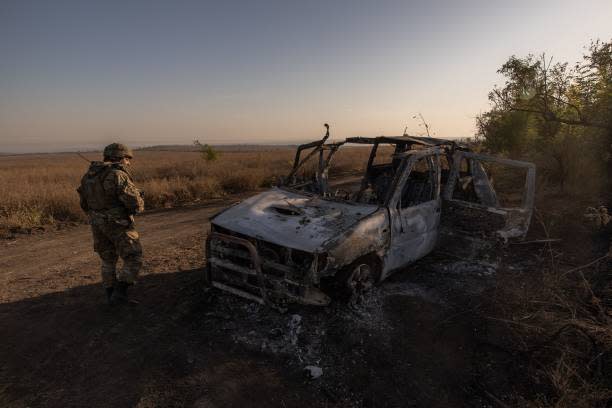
x: 399, y: 256
x: 517, y: 218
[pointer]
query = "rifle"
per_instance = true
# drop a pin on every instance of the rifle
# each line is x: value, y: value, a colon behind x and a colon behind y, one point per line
x: 83, y: 157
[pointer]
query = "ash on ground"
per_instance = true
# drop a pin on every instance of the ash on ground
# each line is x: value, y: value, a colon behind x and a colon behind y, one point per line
x: 383, y: 340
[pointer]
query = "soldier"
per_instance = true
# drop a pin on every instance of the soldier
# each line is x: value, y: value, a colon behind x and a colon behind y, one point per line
x: 110, y: 199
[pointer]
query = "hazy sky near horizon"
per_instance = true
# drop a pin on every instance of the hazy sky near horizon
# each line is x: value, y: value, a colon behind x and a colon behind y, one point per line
x: 81, y: 74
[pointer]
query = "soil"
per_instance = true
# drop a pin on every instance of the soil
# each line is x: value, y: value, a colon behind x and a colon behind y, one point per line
x: 420, y: 340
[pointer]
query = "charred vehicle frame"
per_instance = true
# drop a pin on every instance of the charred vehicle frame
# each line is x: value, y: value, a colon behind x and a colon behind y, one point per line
x: 301, y: 242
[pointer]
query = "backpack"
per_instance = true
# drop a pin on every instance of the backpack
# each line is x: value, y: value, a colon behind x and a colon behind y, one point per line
x: 92, y: 188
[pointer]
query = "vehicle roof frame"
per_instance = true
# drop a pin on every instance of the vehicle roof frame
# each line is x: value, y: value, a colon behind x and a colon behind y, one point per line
x: 408, y: 158
x: 405, y: 140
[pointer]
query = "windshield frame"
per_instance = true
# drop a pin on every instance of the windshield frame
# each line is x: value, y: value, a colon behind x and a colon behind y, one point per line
x: 403, y: 152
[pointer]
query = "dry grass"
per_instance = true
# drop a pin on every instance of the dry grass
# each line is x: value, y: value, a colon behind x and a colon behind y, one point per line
x: 568, y: 339
x: 39, y: 190
x: 560, y: 318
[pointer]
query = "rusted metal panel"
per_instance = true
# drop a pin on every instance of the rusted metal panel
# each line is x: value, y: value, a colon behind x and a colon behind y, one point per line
x: 370, y: 235
x: 414, y: 233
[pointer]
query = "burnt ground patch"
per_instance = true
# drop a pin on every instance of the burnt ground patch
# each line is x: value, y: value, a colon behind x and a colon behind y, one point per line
x: 419, y: 340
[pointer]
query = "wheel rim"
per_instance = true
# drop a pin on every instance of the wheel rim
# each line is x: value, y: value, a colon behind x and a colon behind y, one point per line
x: 361, y: 280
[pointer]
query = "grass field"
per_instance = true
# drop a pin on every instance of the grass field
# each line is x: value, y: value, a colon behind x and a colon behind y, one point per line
x: 39, y: 190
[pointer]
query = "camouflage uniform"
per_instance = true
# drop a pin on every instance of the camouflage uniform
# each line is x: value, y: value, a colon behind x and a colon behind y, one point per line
x: 110, y: 199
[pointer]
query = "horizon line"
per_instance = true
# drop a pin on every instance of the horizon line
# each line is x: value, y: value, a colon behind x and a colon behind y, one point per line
x: 147, y: 146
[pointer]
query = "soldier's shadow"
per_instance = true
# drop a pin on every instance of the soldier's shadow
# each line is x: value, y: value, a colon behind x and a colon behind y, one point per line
x: 71, y: 349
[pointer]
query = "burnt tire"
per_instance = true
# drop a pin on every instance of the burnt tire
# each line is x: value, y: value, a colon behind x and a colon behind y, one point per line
x: 358, y: 279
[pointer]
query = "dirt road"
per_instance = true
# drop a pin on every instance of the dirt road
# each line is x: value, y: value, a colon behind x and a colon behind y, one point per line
x: 416, y: 342
x: 60, y: 260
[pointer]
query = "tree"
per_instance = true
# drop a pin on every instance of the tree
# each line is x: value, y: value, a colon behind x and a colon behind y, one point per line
x: 208, y: 152
x: 542, y: 106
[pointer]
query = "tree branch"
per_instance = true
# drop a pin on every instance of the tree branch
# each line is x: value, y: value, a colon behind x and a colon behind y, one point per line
x: 551, y: 117
x: 571, y: 105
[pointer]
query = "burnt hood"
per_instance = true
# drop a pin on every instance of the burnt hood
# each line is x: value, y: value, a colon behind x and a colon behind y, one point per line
x: 291, y: 219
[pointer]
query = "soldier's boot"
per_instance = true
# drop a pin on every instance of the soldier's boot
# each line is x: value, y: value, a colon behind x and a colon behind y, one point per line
x: 109, y: 294
x: 120, y: 294
x: 109, y: 280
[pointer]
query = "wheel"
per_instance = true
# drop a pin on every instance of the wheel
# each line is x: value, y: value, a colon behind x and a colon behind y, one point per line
x: 361, y: 279
x: 343, y: 194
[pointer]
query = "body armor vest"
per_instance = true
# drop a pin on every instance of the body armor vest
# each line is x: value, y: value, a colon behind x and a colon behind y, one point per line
x: 92, y: 188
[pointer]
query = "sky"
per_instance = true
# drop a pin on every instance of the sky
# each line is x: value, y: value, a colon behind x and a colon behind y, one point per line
x: 76, y: 75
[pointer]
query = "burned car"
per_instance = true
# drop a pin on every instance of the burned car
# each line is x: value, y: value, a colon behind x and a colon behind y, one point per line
x: 312, y: 238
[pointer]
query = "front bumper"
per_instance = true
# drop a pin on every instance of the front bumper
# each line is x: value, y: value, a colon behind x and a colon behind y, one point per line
x: 235, y: 265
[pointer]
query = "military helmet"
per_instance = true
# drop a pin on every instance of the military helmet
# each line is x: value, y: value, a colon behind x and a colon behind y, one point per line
x: 117, y: 150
